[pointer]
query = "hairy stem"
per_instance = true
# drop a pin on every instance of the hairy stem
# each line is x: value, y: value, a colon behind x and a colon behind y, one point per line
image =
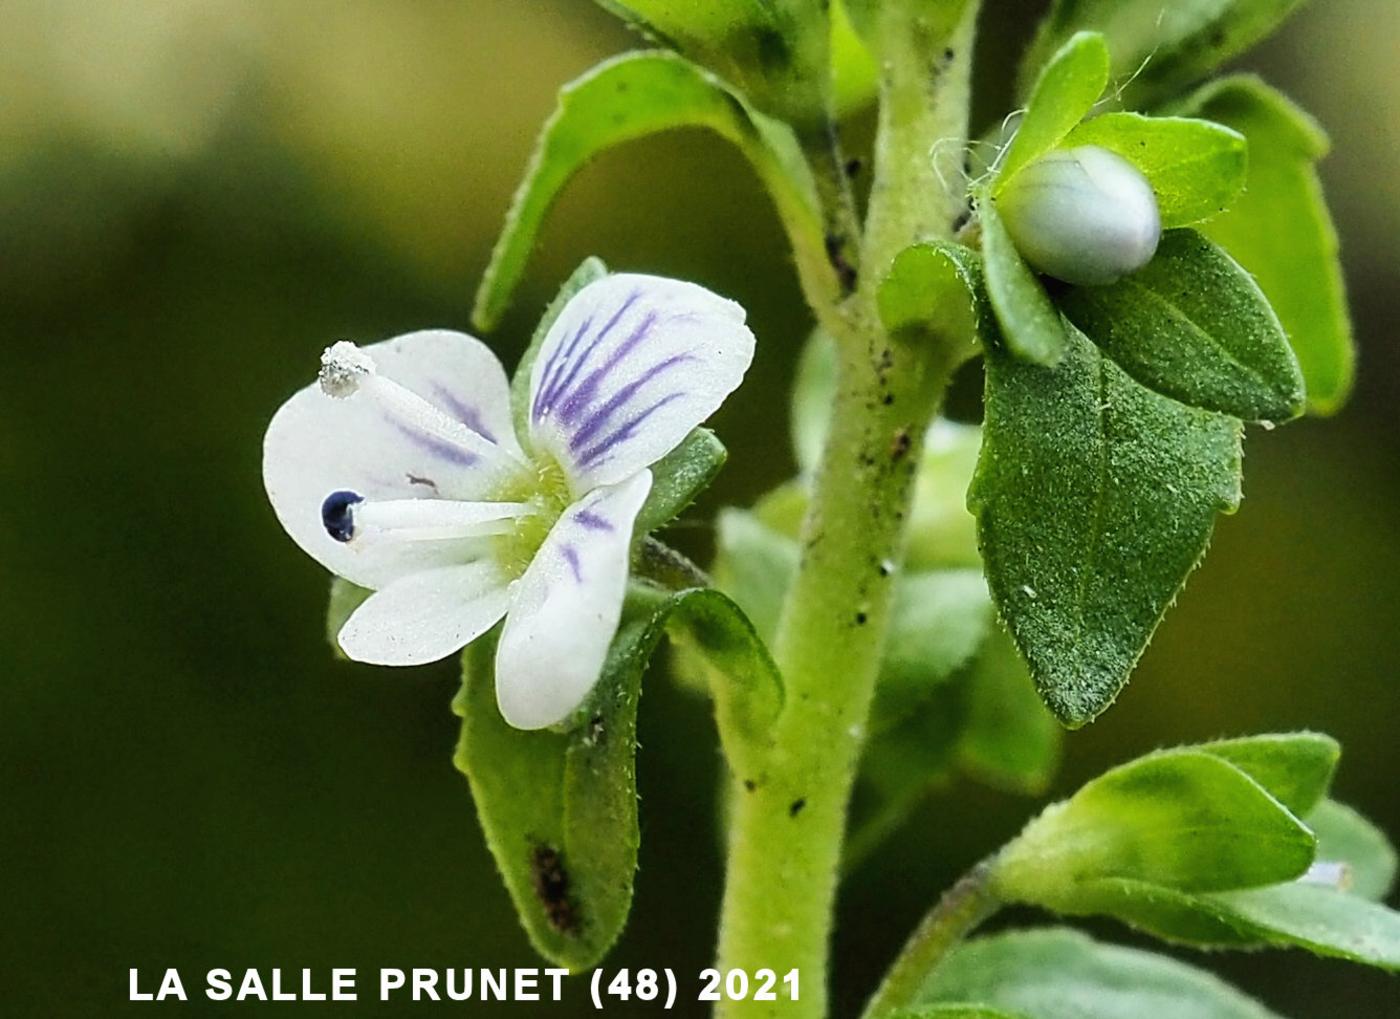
x: 790, y: 805
x: 964, y: 906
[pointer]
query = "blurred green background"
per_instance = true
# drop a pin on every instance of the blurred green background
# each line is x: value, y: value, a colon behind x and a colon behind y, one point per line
x: 196, y: 196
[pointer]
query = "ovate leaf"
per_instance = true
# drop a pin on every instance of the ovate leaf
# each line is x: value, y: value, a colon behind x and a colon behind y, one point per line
x: 559, y: 808
x: 1196, y: 167
x: 1194, y: 326
x: 1066, y: 90
x: 1008, y: 738
x: 1030, y: 322
x: 1183, y: 820
x: 1322, y: 920
x: 1157, y: 48
x: 1061, y: 974
x: 1095, y: 498
x: 1281, y: 231
x: 754, y: 565
x: 938, y: 621
x: 935, y: 286
x: 630, y: 97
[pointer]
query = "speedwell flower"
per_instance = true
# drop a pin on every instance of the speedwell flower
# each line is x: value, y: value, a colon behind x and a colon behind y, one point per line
x: 401, y: 471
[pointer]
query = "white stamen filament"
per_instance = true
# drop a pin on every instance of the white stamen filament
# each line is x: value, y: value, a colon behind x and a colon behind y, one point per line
x: 436, y: 519
x: 346, y: 370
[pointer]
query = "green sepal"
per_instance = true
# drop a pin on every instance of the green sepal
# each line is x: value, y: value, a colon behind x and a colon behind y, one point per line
x: 630, y: 97
x: 1135, y: 480
x: 1056, y: 973
x: 1064, y: 93
x: 1183, y: 820
x: 559, y: 807
x: 1157, y: 48
x: 1193, y: 325
x: 1281, y: 230
x: 1031, y: 326
x: 590, y: 270
x: 344, y: 599
x: 679, y: 477
x: 1196, y: 168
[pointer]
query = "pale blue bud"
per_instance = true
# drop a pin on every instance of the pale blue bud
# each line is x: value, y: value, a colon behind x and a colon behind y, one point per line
x: 1085, y: 215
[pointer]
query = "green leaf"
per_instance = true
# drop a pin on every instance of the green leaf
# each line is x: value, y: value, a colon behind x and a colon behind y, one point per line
x: 1344, y: 836
x: 1194, y: 326
x: 1065, y: 92
x: 942, y: 534
x: 680, y: 476
x: 1183, y: 820
x: 630, y: 97
x: 813, y: 395
x: 1008, y: 738
x: 1157, y: 48
x: 1057, y: 973
x: 1196, y: 168
x: 1030, y: 322
x: 776, y: 51
x: 345, y: 598
x: 938, y: 621
x: 1249, y: 919
x: 754, y: 565
x: 1295, y: 767
x: 1322, y: 920
x: 559, y: 809
x: 855, y: 77
x: 935, y: 286
x: 1281, y: 231
x: 590, y: 270
x: 955, y: 1010
x: 1134, y: 481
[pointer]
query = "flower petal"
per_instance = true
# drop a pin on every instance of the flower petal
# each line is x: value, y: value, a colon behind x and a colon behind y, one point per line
x: 317, y: 445
x: 630, y: 366
x: 565, y: 609
x: 426, y: 616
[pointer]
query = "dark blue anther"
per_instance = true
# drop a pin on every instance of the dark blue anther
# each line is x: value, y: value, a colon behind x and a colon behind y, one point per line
x: 338, y: 516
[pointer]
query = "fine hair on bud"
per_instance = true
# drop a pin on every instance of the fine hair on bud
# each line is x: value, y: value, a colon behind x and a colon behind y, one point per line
x: 1085, y: 215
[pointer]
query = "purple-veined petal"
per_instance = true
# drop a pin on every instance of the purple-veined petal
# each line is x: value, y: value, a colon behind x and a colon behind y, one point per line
x: 318, y: 445
x: 565, y: 609
x: 630, y: 366
x: 426, y: 616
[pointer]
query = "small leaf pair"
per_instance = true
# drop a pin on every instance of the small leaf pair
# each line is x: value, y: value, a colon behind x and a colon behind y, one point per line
x: 1224, y: 844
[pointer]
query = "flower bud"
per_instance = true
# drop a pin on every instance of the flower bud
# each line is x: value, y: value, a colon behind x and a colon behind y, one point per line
x: 1084, y: 215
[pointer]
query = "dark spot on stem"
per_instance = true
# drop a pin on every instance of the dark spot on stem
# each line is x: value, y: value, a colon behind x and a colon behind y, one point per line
x: 853, y: 167
x: 901, y: 444
x: 861, y: 618
x: 836, y: 255
x: 796, y: 807
x: 889, y: 399
x: 750, y: 785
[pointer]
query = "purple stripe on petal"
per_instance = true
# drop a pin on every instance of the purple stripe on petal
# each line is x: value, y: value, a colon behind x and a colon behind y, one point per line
x: 436, y: 447
x: 591, y: 521
x: 600, y: 417
x: 591, y: 456
x: 468, y: 415
x: 578, y: 401
x: 561, y: 383
x: 558, y: 359
x: 570, y: 555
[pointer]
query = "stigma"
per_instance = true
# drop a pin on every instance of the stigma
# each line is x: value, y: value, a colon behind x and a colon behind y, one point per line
x: 347, y: 517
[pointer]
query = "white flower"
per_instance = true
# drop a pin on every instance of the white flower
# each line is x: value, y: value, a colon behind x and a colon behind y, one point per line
x: 401, y: 472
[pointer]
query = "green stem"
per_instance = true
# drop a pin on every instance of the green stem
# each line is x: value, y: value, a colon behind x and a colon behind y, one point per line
x: 964, y: 906
x: 790, y: 802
